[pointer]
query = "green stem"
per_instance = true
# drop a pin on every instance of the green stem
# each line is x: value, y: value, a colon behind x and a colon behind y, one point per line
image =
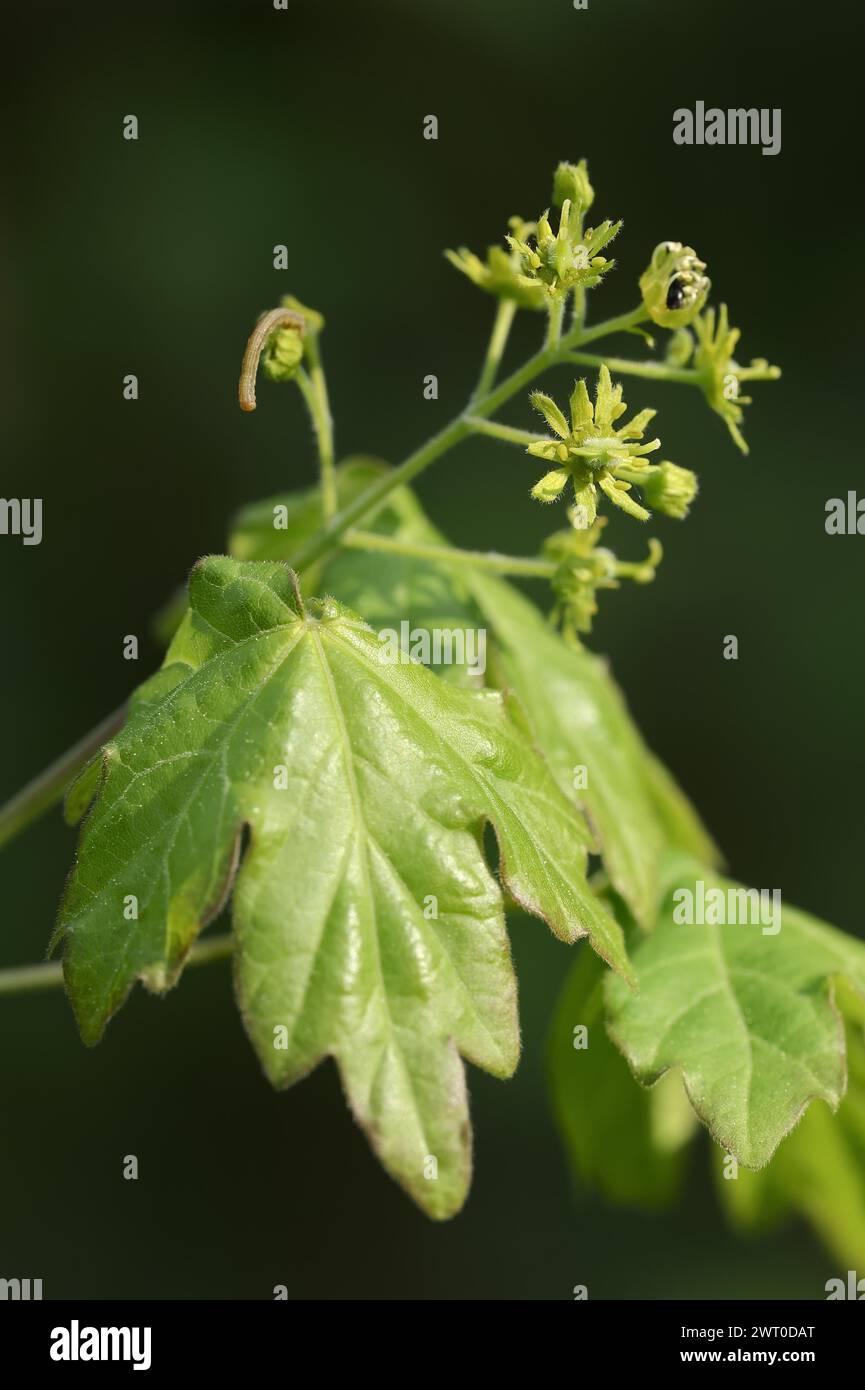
x: 314, y: 389
x: 26, y: 978
x: 554, y: 323
x: 502, y: 323
x: 623, y: 323
x: 657, y: 371
x: 578, y: 317
x: 523, y: 376
x: 48, y: 788
x: 509, y: 433
x: 329, y: 536
x: 490, y: 560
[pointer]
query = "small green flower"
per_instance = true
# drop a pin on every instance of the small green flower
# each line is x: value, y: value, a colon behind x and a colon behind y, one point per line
x: 673, y: 286
x: 567, y: 259
x: 584, y: 567
x: 501, y: 273
x: 591, y: 450
x: 571, y: 182
x: 721, y: 376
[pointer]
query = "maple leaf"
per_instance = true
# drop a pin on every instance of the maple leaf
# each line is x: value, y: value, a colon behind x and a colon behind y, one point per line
x: 368, y: 925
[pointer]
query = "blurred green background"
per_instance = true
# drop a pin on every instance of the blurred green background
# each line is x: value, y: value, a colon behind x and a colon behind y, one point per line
x: 303, y: 127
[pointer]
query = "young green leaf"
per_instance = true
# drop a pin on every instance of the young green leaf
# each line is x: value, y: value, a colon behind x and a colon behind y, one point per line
x: 744, y: 1010
x: 368, y: 925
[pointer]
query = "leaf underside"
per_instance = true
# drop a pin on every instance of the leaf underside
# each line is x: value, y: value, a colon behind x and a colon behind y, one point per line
x: 368, y: 926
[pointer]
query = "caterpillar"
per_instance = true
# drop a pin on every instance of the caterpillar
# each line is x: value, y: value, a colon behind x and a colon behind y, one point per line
x: 274, y: 318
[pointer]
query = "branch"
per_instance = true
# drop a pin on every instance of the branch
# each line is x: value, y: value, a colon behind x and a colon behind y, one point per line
x: 21, y: 979
x: 506, y: 432
x: 491, y: 560
x: 48, y: 788
x: 657, y: 371
x: 314, y: 389
x: 502, y: 323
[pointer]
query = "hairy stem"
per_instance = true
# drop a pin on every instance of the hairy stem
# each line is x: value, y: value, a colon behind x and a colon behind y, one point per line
x: 490, y: 560
x: 508, y: 433
x: 329, y: 536
x: 25, y: 978
x: 318, y: 404
x: 554, y: 323
x: 623, y: 323
x: 502, y: 322
x: 657, y: 371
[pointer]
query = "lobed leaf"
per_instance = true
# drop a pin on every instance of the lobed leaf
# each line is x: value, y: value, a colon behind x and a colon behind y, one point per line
x: 368, y: 925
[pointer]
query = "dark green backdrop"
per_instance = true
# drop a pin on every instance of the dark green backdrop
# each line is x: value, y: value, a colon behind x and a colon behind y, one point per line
x: 259, y: 127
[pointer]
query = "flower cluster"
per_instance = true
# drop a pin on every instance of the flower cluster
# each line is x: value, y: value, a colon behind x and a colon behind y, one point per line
x: 568, y: 258
x: 543, y: 265
x: 501, y: 273
x: 583, y: 567
x: 593, y: 452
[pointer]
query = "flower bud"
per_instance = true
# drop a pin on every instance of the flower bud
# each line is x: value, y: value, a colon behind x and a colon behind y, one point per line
x: 680, y: 348
x: 673, y: 286
x: 669, y: 489
x: 283, y: 354
x: 572, y: 181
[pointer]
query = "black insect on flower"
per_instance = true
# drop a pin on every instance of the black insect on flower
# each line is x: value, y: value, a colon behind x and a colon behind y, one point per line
x: 676, y: 295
